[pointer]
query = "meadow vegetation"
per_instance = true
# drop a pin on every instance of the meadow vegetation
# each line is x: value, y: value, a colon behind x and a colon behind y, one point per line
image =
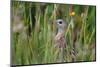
x: 33, y: 30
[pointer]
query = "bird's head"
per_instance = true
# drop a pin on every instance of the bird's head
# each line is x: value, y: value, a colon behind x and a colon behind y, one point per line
x: 61, y: 25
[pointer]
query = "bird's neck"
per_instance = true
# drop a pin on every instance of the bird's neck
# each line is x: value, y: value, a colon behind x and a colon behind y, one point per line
x: 61, y: 31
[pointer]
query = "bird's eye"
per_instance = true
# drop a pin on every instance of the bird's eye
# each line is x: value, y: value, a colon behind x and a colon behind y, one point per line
x: 60, y: 22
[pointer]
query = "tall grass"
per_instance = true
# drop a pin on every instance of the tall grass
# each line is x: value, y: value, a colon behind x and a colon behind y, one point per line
x: 38, y: 48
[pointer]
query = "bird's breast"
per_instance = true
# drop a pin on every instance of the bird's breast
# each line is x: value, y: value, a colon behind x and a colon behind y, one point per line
x: 60, y: 40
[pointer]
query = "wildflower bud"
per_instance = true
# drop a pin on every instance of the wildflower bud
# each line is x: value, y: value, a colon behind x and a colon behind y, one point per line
x: 72, y: 13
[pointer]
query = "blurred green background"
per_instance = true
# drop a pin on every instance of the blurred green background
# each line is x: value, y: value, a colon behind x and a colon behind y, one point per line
x: 33, y: 31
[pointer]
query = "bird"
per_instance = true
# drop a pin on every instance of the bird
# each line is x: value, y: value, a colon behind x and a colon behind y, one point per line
x: 60, y: 39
